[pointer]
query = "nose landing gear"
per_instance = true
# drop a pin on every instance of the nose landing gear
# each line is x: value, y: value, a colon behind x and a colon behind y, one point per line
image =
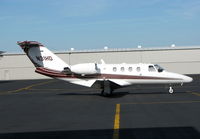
x: 171, y: 90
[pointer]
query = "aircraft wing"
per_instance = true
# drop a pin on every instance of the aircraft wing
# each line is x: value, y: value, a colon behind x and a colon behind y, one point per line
x: 87, y: 83
x: 116, y: 83
x: 120, y: 82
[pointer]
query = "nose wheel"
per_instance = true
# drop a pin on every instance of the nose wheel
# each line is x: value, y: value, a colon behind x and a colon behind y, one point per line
x: 171, y: 90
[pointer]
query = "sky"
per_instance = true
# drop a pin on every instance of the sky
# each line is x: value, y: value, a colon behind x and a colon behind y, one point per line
x: 94, y: 24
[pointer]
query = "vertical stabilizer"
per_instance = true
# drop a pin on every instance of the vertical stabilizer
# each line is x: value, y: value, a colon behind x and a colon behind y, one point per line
x: 41, y: 56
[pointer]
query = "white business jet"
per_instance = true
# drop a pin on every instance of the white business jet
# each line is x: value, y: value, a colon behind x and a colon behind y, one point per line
x: 105, y: 76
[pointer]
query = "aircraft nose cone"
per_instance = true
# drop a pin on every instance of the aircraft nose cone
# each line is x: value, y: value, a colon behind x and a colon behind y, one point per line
x: 187, y: 79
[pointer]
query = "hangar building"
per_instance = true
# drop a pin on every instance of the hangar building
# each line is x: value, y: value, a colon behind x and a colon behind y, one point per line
x: 184, y: 60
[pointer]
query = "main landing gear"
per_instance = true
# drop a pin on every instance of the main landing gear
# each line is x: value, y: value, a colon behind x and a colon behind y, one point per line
x: 106, y: 89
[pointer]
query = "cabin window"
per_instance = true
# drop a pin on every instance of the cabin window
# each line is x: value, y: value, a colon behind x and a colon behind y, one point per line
x: 130, y: 69
x: 138, y: 69
x: 122, y: 69
x: 114, y: 69
x: 151, y: 69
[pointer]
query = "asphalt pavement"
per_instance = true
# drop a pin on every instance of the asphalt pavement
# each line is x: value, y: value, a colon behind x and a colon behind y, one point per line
x: 56, y: 109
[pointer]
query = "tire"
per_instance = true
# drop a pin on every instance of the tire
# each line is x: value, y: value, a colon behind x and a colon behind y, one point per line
x: 171, y: 90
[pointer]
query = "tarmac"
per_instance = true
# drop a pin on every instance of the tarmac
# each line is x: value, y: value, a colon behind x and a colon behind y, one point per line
x: 32, y: 109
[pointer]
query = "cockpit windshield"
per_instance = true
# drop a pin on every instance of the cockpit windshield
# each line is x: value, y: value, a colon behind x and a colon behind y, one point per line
x: 159, y: 68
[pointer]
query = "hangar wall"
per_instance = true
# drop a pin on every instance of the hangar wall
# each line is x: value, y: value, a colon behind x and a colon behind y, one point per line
x: 185, y: 60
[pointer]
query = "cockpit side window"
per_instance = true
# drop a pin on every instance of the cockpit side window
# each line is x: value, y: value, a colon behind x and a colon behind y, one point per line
x: 151, y: 68
x: 159, y: 68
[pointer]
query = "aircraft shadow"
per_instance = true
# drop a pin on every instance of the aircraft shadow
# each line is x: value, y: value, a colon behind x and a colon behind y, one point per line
x: 119, y: 93
x: 116, y: 95
x: 126, y: 133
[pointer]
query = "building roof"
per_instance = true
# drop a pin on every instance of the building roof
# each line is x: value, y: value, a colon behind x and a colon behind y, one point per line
x: 116, y: 50
x: 134, y: 49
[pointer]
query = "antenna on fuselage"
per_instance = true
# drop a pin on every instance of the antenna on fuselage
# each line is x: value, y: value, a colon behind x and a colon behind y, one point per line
x: 139, y: 47
x: 71, y: 49
x: 103, y: 62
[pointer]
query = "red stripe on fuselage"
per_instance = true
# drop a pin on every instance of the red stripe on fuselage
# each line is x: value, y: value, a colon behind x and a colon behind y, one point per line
x: 50, y: 73
x: 59, y: 74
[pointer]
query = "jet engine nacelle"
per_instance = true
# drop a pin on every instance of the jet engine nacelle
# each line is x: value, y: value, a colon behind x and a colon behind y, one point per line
x: 85, y: 68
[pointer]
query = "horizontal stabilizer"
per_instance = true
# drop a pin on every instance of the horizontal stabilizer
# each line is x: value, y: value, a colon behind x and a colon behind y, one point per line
x: 27, y: 44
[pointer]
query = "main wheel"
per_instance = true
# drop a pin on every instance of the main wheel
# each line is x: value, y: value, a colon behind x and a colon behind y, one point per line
x: 106, y: 89
x: 106, y: 93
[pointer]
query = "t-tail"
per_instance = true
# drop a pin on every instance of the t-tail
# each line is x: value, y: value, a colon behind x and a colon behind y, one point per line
x: 41, y: 57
